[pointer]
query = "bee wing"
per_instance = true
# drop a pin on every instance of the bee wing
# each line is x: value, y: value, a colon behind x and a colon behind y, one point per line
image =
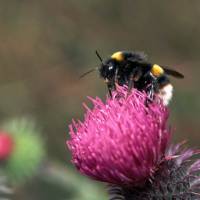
x: 135, y: 60
x: 173, y: 72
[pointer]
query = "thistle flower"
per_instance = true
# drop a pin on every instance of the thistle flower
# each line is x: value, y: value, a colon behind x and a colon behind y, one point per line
x: 177, y: 177
x: 121, y: 141
x: 27, y: 152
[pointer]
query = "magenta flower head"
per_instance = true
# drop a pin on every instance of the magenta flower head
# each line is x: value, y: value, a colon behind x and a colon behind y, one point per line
x: 121, y: 141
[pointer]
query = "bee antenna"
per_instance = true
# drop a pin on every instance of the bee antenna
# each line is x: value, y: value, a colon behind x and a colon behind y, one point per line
x: 86, y: 73
x: 99, y: 56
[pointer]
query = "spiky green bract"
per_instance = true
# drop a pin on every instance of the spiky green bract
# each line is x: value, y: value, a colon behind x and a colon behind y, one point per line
x: 177, y: 178
x: 28, y: 150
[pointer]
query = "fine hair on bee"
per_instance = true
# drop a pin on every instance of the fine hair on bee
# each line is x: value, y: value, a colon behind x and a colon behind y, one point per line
x: 134, y: 70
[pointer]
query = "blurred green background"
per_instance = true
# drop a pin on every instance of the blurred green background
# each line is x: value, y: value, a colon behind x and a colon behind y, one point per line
x: 46, y: 45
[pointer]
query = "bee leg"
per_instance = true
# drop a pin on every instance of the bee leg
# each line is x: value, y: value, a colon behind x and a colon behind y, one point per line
x: 115, y: 79
x: 131, y: 82
x: 116, y: 75
x: 150, y: 92
x: 151, y: 89
x: 109, y: 86
x: 110, y: 92
x: 149, y: 98
x: 134, y: 77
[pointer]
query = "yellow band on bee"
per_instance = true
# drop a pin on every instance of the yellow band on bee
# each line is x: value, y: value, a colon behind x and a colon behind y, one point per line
x: 157, y: 70
x: 118, y: 56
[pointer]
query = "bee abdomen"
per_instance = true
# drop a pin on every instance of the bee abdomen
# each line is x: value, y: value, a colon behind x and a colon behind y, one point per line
x: 166, y: 93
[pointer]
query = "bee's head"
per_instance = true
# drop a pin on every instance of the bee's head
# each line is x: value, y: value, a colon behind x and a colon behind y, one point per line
x: 107, y: 69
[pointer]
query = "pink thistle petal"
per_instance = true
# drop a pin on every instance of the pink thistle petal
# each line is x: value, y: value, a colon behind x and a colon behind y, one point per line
x: 122, y: 140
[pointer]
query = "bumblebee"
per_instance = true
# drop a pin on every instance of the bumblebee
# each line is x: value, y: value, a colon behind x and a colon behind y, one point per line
x: 134, y: 70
